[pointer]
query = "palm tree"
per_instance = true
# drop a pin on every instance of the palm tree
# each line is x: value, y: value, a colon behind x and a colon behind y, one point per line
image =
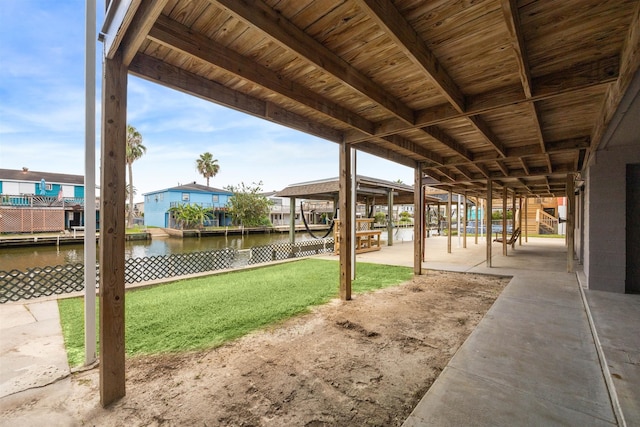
x: 207, y: 166
x: 135, y: 150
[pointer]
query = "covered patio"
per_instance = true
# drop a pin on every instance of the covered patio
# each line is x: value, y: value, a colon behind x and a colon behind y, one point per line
x: 493, y: 99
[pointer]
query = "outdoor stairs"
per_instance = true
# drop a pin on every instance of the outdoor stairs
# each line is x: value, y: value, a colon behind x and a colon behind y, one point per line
x: 540, y: 222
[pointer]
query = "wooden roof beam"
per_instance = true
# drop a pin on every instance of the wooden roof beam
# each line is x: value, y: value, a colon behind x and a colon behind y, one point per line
x: 414, y: 148
x: 502, y: 168
x: 578, y: 78
x: 488, y: 134
x: 524, y: 184
x: 512, y: 19
x: 515, y: 153
x: 629, y: 65
x: 139, y: 28
x: 400, y: 31
x: 464, y: 172
x: 178, y: 37
x: 157, y: 71
x: 525, y: 167
x: 437, y: 134
x: 275, y: 26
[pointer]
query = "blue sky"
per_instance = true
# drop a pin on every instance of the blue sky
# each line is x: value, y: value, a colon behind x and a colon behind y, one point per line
x: 42, y: 115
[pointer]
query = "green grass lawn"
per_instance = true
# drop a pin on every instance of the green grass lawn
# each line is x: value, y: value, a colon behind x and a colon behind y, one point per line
x: 206, y: 312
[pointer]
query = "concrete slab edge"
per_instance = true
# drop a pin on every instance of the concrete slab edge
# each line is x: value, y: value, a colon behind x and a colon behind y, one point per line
x: 613, y: 396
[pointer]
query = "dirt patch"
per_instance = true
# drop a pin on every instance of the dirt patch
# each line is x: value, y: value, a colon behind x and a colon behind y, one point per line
x: 363, y: 362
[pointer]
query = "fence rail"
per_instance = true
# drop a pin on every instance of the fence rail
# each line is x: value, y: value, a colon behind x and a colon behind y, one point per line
x: 16, y: 285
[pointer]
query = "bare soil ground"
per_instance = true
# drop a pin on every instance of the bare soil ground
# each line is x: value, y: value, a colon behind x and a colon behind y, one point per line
x: 364, y: 362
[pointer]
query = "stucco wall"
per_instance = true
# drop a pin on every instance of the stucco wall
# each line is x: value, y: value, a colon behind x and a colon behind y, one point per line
x: 605, y: 223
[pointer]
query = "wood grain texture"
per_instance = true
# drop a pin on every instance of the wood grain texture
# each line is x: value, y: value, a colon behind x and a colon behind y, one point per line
x: 455, y: 85
x: 112, y: 230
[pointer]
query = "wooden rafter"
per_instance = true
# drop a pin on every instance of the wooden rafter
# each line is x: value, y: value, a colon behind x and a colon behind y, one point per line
x: 257, y: 14
x: 139, y: 28
x: 581, y: 77
x: 629, y: 65
x: 413, y: 46
x: 154, y: 69
x: 175, y: 35
x: 437, y: 134
x: 488, y: 134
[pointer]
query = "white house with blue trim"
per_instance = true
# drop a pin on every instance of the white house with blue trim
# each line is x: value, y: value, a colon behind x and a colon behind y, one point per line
x: 157, y: 204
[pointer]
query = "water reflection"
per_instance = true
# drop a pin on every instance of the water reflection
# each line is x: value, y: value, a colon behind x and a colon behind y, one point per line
x: 41, y: 256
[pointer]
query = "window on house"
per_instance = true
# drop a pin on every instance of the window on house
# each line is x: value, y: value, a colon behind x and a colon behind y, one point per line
x: 215, y: 198
x: 185, y: 197
x: 48, y: 187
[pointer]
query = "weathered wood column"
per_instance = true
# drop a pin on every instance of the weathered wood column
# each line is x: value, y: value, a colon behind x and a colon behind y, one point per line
x: 112, y: 229
x: 390, y: 221
x: 345, y: 236
x: 464, y: 221
x: 526, y: 219
x: 292, y: 220
x: 418, y: 220
x: 513, y: 221
x: 571, y: 203
x: 504, y: 221
x: 477, y: 218
x: 487, y: 218
x: 450, y: 195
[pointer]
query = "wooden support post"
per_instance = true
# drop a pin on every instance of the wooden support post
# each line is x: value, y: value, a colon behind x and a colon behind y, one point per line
x: 477, y: 217
x: 526, y: 220
x: 514, y: 216
x: 504, y: 221
x: 571, y: 202
x: 449, y: 222
x: 464, y: 221
x: 112, y: 230
x: 390, y: 221
x: 487, y: 220
x: 292, y: 220
x: 345, y: 233
x: 520, y: 220
x: 418, y: 220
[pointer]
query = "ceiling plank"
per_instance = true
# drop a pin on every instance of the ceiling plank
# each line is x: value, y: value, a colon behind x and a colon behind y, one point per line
x: 168, y: 75
x: 488, y: 134
x: 275, y: 26
x: 177, y: 36
x: 585, y: 76
x: 502, y: 168
x: 411, y: 146
x: 400, y: 31
x: 437, y: 134
x: 512, y: 19
x: 629, y: 65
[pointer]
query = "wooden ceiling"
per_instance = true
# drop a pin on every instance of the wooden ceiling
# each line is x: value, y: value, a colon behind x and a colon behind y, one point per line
x: 516, y: 91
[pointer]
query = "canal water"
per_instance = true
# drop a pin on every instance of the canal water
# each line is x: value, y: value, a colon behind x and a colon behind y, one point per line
x: 21, y: 258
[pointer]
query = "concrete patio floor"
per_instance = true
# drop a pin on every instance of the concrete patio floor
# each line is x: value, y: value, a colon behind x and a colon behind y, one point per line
x: 534, y: 359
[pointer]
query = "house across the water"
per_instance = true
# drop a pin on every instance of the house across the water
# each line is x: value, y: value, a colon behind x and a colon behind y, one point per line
x: 158, y: 204
x: 32, y: 201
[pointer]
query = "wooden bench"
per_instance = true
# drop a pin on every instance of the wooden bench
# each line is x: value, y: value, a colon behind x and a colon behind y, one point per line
x: 366, y: 239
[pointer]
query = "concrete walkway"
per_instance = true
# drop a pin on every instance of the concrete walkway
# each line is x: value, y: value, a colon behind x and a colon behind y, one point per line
x: 32, y: 352
x: 532, y: 360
